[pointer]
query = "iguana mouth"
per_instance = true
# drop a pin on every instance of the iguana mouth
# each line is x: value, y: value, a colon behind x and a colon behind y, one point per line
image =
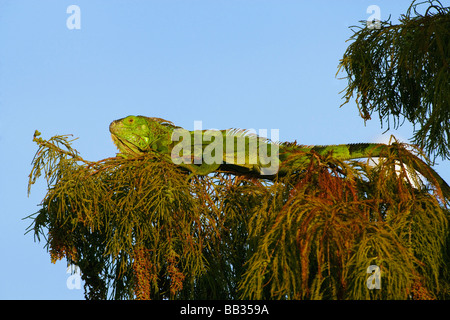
x: 125, y: 146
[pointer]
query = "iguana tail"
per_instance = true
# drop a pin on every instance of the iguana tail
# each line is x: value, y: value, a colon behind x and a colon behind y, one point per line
x: 395, y: 151
x: 340, y: 151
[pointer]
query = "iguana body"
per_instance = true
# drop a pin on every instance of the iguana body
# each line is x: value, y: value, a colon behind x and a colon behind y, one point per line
x: 137, y: 135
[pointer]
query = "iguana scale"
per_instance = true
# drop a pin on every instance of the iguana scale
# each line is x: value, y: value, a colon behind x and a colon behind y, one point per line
x: 137, y: 135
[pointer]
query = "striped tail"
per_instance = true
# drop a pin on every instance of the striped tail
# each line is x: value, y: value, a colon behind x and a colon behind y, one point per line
x: 395, y: 151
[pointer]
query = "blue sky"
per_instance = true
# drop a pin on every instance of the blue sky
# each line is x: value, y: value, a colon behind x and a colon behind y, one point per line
x: 261, y: 64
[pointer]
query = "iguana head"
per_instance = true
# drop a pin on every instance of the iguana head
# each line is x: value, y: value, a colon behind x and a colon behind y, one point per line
x: 135, y: 135
x: 130, y: 134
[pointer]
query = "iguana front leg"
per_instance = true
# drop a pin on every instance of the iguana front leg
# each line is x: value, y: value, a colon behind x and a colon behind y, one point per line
x: 202, y: 169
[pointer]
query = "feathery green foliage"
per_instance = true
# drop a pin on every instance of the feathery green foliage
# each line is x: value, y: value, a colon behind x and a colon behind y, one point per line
x: 403, y: 72
x: 138, y: 228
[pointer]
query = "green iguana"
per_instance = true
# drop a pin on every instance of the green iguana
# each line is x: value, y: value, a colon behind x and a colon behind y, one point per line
x: 205, y: 151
